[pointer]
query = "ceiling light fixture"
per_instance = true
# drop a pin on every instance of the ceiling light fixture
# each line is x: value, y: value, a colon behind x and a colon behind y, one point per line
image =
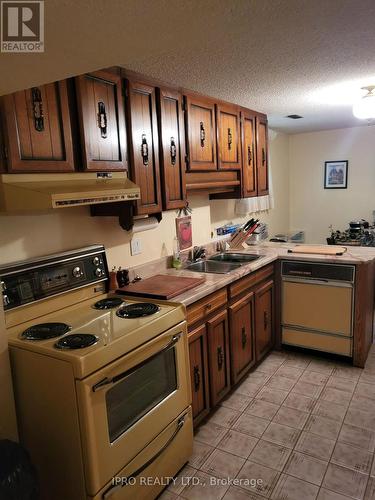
x: 364, y: 108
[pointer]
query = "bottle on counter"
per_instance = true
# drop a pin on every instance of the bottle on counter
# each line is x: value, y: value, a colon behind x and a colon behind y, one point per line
x: 122, y: 277
x: 113, y: 282
x: 176, y: 261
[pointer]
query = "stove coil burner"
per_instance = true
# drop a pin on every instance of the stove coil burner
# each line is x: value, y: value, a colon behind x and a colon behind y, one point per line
x: 76, y: 341
x: 137, y: 310
x: 45, y: 331
x: 109, y: 303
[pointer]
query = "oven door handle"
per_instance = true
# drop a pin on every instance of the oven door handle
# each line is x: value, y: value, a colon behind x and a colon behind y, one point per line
x: 112, y: 380
x: 125, y: 481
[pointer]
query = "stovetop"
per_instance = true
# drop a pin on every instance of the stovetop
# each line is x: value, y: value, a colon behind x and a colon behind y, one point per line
x: 114, y: 335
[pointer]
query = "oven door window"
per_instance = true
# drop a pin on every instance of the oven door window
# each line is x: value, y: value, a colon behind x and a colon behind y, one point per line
x: 140, y: 390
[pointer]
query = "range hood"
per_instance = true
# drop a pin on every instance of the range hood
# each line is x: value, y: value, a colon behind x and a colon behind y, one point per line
x: 44, y: 191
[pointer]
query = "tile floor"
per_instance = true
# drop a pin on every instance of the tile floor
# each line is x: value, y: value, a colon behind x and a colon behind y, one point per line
x: 304, y: 425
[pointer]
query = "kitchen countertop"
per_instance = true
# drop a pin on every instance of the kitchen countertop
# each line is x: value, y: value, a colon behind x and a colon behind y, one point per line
x: 270, y: 252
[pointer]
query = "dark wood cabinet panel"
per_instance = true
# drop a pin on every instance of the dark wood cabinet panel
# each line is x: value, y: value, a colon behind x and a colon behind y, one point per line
x: 228, y: 137
x: 199, y: 373
x: 262, y: 156
x: 218, y: 356
x: 249, y: 166
x: 102, y: 121
x: 143, y: 145
x: 172, y: 148
x: 264, y: 320
x: 241, y: 320
x: 201, y: 133
x: 37, y: 129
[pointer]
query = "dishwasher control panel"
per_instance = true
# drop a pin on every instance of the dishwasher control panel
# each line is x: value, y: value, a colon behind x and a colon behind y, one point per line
x: 318, y: 271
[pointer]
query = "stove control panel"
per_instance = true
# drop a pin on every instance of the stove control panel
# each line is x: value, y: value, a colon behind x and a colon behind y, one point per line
x: 31, y: 281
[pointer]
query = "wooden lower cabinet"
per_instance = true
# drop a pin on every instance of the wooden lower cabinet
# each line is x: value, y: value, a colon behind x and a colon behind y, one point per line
x: 199, y: 372
x: 218, y: 356
x: 226, y: 341
x: 241, y: 320
x: 264, y: 320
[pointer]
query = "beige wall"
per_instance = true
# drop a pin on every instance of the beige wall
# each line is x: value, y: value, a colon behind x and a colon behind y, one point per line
x: 29, y: 235
x: 314, y: 208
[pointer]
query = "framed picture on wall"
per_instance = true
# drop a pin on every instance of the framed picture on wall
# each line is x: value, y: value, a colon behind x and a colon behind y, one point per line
x: 336, y: 174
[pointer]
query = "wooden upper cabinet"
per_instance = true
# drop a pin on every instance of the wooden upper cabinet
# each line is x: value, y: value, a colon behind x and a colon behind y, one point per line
x: 228, y: 136
x: 218, y: 356
x: 172, y: 148
x: 102, y: 121
x: 249, y: 166
x: 201, y: 134
x: 264, y: 308
x: 262, y: 155
x: 241, y: 316
x: 37, y: 129
x: 143, y: 145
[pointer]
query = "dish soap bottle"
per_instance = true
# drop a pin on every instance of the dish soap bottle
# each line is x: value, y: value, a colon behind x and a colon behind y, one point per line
x: 176, y: 261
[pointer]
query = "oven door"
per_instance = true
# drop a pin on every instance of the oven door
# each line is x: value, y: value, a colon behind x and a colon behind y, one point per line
x: 124, y: 406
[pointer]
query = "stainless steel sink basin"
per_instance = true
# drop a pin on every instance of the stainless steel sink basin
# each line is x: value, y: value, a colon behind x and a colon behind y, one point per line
x: 212, y: 266
x: 241, y: 258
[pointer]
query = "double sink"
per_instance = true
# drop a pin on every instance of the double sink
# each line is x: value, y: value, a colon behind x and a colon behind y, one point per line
x: 222, y: 263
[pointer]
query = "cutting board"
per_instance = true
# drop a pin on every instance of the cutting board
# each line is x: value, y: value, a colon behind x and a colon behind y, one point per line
x: 161, y: 286
x: 316, y: 249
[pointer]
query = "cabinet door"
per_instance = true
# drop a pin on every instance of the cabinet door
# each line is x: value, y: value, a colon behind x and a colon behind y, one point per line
x: 198, y: 373
x: 241, y: 316
x: 264, y: 319
x: 262, y: 156
x: 228, y: 137
x: 172, y: 149
x: 249, y: 169
x: 37, y: 129
x: 218, y: 356
x: 143, y: 144
x: 102, y: 121
x: 201, y: 134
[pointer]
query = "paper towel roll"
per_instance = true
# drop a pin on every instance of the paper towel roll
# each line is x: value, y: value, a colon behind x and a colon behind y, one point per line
x: 145, y: 224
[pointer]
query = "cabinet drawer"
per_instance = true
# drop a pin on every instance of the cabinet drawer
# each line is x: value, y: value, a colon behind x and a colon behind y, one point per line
x: 199, y: 310
x: 318, y: 341
x: 249, y: 281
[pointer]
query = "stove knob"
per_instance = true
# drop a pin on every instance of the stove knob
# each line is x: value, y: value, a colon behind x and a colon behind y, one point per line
x: 6, y: 300
x: 98, y: 272
x: 77, y: 273
x: 3, y: 286
x: 96, y: 261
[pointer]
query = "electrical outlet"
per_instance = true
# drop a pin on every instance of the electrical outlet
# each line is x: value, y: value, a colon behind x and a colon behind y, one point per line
x: 135, y: 246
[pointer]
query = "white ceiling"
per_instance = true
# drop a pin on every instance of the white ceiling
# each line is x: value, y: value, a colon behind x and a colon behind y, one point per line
x: 307, y: 57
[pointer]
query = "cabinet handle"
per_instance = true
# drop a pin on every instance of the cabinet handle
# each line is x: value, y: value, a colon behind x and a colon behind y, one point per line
x: 263, y: 156
x: 36, y: 97
x: 197, y: 378
x: 202, y: 134
x: 173, y: 151
x: 249, y: 155
x: 102, y: 119
x: 208, y: 307
x: 230, y: 139
x: 265, y: 320
x: 220, y: 357
x: 144, y: 150
x: 243, y: 337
